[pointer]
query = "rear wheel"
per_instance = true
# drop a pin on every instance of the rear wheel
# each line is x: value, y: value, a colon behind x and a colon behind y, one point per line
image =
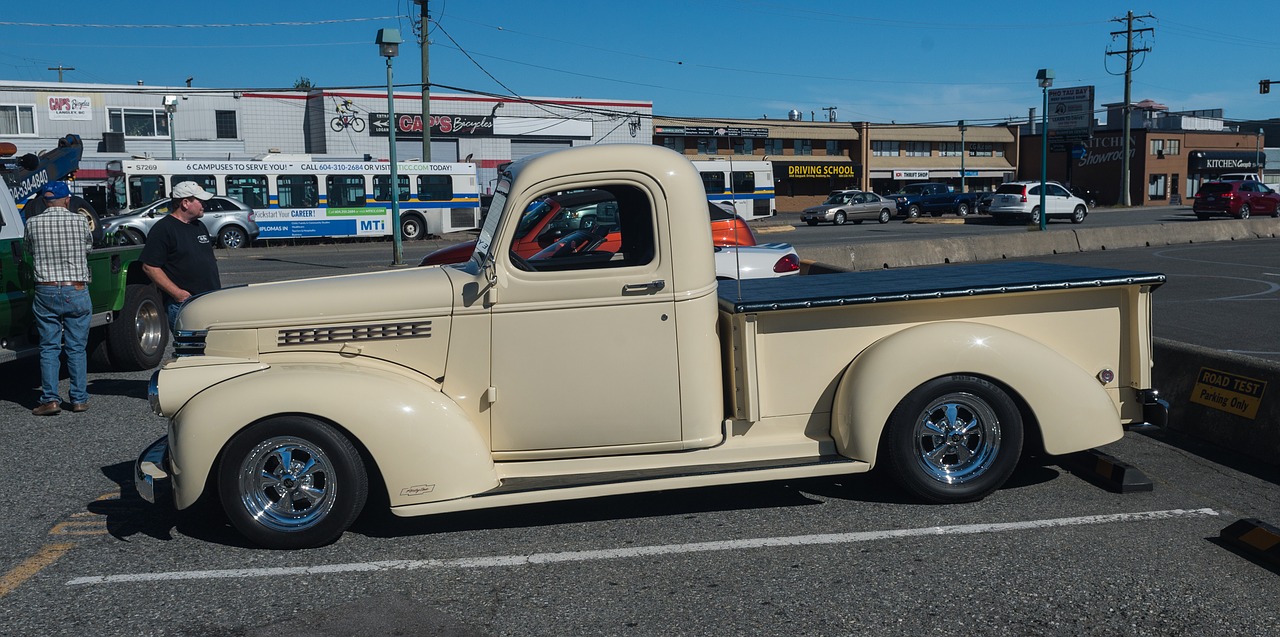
x: 1077, y: 215
x: 953, y: 439
x: 812, y: 223
x: 411, y: 228
x: 1244, y: 211
x: 232, y: 237
x: 137, y: 337
x: 1035, y: 216
x: 292, y: 482
x: 962, y: 209
x: 884, y: 216
x: 1202, y: 216
x: 839, y: 219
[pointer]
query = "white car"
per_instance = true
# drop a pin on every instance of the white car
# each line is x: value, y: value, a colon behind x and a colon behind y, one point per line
x: 764, y: 261
x: 1020, y: 200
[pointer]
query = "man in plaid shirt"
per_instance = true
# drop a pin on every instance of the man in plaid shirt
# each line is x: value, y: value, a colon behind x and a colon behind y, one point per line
x: 59, y: 241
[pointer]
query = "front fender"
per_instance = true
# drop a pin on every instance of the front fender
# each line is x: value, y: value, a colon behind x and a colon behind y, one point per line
x: 422, y: 443
x: 1073, y: 409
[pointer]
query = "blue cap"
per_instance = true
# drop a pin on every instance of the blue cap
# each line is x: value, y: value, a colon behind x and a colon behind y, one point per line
x: 55, y: 190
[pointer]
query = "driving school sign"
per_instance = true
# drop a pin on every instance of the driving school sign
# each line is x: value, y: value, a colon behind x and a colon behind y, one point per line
x: 1232, y: 393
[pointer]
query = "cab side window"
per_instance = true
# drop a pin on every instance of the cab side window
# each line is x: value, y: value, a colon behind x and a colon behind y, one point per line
x: 616, y: 229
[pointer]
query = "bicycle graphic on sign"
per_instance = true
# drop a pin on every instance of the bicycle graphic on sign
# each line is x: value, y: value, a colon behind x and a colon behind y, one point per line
x: 347, y: 118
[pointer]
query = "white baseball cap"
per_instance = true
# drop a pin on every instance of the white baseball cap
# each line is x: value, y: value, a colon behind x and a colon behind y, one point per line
x: 190, y: 189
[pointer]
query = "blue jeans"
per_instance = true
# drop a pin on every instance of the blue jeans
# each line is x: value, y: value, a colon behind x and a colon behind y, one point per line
x: 171, y: 309
x: 62, y: 319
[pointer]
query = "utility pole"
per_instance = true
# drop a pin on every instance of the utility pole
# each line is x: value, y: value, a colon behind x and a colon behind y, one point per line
x: 426, y: 86
x: 60, y: 68
x: 1128, y: 52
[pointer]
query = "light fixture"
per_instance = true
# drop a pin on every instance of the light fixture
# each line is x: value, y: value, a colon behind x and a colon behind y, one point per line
x: 1044, y: 77
x: 388, y: 42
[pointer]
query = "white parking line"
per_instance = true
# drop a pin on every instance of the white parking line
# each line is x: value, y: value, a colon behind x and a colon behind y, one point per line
x: 639, y: 551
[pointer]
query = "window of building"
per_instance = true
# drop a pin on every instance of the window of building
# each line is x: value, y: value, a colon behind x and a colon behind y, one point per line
x: 382, y: 187
x: 435, y: 188
x: 225, y: 123
x: 708, y: 146
x: 949, y: 149
x: 1172, y: 146
x: 884, y: 149
x: 674, y: 143
x: 773, y: 146
x: 1156, y: 187
x: 744, y: 146
x: 17, y: 119
x: 917, y: 149
x: 139, y: 122
x: 251, y: 189
x: 297, y: 191
x: 833, y: 147
x: 983, y: 149
x: 803, y: 146
x: 1157, y: 146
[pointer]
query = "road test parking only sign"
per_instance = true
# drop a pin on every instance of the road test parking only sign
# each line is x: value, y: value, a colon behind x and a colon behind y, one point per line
x: 1232, y: 393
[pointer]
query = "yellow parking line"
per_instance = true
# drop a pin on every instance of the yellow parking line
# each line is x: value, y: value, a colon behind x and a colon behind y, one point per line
x: 47, y: 555
x: 87, y: 527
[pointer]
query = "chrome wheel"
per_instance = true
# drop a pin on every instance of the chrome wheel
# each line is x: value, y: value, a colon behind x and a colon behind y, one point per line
x: 232, y: 237
x: 884, y: 216
x: 411, y: 228
x: 839, y: 221
x: 957, y: 436
x: 287, y: 484
x: 1244, y: 211
x: 913, y: 211
x: 962, y: 209
x: 1077, y: 215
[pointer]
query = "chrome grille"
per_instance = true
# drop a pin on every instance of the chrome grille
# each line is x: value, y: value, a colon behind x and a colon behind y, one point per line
x: 346, y: 333
x: 189, y: 343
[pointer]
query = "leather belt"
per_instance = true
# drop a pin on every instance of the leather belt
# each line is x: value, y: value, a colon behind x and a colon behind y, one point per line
x: 79, y: 285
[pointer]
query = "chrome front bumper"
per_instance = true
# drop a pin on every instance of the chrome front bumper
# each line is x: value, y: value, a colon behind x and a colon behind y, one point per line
x: 1155, y: 410
x: 150, y: 475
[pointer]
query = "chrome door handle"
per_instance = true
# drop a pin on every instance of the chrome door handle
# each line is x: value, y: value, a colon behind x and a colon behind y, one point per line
x: 652, y: 286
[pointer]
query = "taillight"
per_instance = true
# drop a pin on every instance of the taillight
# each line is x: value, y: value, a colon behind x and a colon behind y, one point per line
x: 789, y: 263
x: 1024, y: 194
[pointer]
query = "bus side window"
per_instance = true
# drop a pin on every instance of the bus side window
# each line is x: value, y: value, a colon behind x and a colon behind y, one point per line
x: 435, y: 188
x: 297, y: 191
x: 250, y: 189
x: 713, y: 183
x: 208, y: 182
x: 346, y: 191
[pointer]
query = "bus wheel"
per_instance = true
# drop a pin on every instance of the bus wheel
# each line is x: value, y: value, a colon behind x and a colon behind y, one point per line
x: 411, y: 228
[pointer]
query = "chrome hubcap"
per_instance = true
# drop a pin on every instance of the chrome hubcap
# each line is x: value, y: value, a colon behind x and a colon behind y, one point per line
x: 286, y: 484
x: 957, y: 438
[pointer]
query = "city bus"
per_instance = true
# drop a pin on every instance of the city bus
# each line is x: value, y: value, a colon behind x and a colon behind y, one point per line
x: 316, y: 198
x: 745, y: 185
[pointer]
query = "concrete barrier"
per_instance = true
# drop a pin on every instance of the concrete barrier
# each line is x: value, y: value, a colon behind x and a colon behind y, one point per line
x: 877, y: 255
x: 1246, y: 422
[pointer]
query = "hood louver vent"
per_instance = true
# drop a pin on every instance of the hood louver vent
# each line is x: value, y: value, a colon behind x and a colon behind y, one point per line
x: 313, y: 335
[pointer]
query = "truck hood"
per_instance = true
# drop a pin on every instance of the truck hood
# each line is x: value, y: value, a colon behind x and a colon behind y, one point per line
x: 373, y: 296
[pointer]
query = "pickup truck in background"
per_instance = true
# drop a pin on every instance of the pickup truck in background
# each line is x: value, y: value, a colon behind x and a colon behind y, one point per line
x: 598, y: 371
x: 129, y: 328
x: 935, y: 199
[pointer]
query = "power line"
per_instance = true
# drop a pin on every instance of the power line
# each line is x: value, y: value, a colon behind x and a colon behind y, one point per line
x: 311, y: 23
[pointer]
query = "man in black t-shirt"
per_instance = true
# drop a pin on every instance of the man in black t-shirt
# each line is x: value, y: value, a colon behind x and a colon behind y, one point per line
x: 178, y: 255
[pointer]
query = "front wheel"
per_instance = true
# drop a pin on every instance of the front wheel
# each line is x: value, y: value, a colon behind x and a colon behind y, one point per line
x: 913, y: 211
x: 884, y: 216
x: 839, y: 221
x: 357, y: 124
x: 137, y: 337
x: 1244, y: 211
x: 1077, y: 215
x: 130, y: 237
x: 411, y: 228
x: 953, y: 439
x: 292, y: 482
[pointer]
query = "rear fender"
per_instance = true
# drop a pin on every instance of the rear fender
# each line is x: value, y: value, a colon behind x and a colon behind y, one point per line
x: 1072, y: 408
x: 419, y: 439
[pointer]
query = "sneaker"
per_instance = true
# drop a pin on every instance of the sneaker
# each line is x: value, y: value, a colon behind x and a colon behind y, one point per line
x: 79, y: 407
x: 47, y: 409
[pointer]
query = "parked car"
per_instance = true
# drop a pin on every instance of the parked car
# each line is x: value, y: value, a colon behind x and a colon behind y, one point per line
x: 228, y: 219
x: 1090, y: 197
x: 850, y: 205
x: 1239, y: 199
x: 984, y: 202
x: 547, y: 221
x: 935, y: 199
x: 1020, y: 200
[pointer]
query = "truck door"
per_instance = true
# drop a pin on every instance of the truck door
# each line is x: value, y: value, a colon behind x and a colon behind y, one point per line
x: 583, y: 341
x: 15, y: 302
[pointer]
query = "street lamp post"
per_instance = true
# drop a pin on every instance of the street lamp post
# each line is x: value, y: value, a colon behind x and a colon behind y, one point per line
x: 1045, y: 78
x: 962, y: 129
x: 388, y: 47
x: 1257, y: 149
x: 171, y: 107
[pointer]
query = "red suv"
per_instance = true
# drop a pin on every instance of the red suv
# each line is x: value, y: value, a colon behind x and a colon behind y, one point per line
x: 1238, y: 199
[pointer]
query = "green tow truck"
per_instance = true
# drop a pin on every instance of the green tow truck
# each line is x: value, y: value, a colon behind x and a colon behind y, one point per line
x: 129, y: 329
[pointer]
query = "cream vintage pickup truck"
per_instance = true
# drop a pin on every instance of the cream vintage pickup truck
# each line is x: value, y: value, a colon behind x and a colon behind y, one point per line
x: 593, y: 372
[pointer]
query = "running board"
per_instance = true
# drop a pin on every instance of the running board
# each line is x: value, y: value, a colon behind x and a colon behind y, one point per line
x: 514, y: 491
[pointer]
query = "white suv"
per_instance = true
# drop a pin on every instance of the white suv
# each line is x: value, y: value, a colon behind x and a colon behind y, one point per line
x: 1021, y: 200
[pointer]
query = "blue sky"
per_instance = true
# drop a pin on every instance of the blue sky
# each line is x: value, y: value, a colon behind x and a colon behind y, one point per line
x: 923, y: 61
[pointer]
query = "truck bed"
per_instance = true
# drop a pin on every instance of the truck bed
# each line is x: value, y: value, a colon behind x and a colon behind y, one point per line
x: 856, y: 288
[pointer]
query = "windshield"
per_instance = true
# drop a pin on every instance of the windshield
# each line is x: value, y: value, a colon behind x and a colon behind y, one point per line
x: 913, y: 189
